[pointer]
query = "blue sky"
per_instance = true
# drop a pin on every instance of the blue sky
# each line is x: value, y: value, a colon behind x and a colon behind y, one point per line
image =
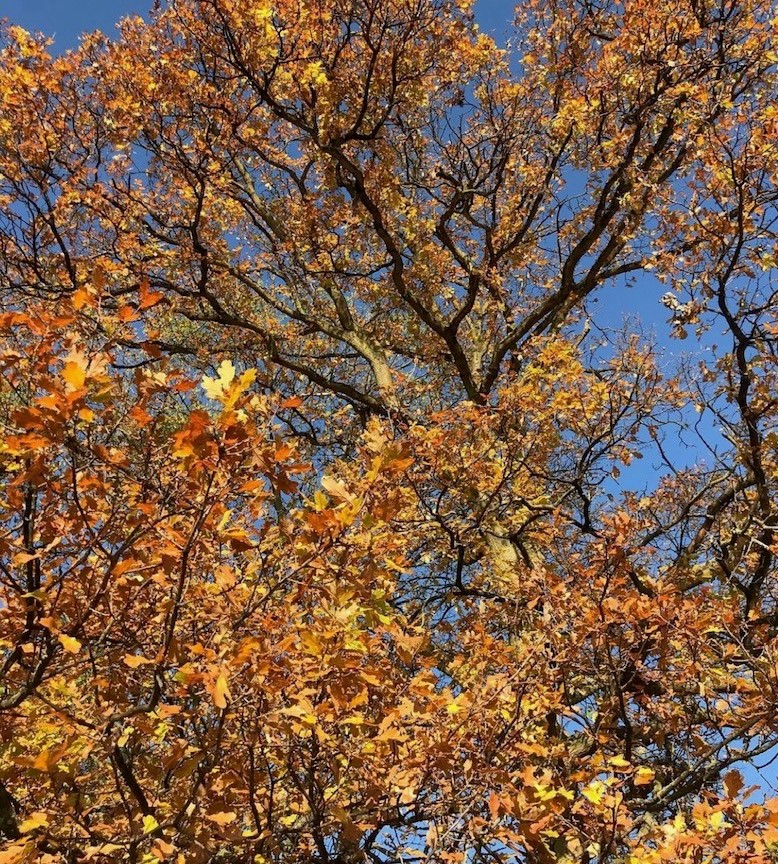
x: 65, y: 20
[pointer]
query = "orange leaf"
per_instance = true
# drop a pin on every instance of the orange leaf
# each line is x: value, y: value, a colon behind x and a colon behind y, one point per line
x: 223, y: 818
x: 80, y: 298
x: 733, y: 783
x: 134, y: 661
x: 17, y: 853
x: 146, y: 297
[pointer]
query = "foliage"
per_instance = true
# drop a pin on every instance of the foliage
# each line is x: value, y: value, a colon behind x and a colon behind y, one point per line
x: 320, y: 532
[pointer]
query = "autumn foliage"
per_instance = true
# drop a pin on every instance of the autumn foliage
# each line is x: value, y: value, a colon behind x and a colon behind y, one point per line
x: 324, y: 536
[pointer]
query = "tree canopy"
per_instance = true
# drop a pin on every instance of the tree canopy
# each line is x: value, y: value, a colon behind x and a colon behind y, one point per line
x: 322, y: 538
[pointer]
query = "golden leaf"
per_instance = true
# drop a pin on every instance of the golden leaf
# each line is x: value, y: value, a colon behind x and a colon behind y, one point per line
x: 643, y: 776
x: 134, y: 660
x: 74, y: 371
x: 70, y: 644
x: 220, y: 692
x: 222, y: 818
x: 33, y: 822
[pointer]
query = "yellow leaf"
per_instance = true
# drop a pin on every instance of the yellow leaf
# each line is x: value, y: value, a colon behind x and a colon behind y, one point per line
x: 544, y: 793
x: 71, y: 645
x: 226, y: 372
x: 125, y: 736
x: 36, y: 820
x: 212, y: 387
x: 74, y: 372
x: 336, y: 489
x: 595, y: 791
x: 149, y: 824
x: 224, y: 520
x: 221, y: 692
x: 239, y: 387
x: 217, y: 387
x: 717, y: 820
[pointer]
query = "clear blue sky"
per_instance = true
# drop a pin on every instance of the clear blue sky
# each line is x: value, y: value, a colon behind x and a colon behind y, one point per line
x: 65, y: 19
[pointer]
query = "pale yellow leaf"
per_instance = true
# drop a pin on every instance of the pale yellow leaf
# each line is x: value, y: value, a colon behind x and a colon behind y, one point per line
x: 221, y: 692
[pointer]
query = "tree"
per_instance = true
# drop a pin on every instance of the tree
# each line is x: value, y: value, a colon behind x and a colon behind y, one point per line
x: 321, y: 537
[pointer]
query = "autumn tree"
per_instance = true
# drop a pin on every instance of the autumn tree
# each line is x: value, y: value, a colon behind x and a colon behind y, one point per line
x: 321, y: 534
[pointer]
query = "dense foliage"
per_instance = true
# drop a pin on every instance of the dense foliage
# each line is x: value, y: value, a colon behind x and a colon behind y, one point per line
x: 322, y: 535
